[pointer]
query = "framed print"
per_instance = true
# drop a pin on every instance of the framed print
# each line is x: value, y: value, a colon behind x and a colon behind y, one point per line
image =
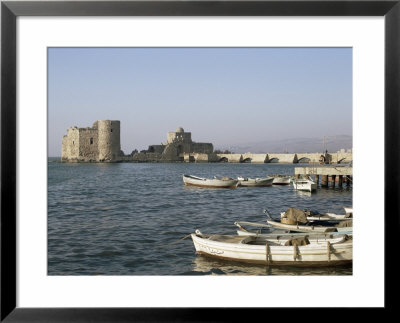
x: 101, y: 221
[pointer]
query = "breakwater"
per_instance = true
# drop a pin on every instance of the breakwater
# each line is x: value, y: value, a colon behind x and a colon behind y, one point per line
x: 292, y: 158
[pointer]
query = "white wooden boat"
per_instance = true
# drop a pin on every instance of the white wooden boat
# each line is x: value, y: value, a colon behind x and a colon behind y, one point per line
x: 325, y: 217
x: 265, y: 230
x: 311, y: 226
x: 307, y: 185
x: 348, y: 210
x: 261, y: 228
x: 300, y: 251
x: 221, y: 182
x: 281, y: 180
x: 255, y: 182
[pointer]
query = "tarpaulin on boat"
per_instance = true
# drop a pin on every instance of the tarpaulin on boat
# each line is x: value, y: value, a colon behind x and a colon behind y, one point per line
x: 345, y: 224
x: 296, y: 215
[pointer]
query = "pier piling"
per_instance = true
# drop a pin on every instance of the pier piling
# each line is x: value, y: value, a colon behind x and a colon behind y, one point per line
x: 328, y: 174
x: 340, y: 180
x: 333, y: 180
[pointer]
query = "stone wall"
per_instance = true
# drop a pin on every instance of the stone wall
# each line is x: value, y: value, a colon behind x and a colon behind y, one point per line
x: 171, y: 153
x: 230, y: 158
x: 99, y: 143
x: 282, y: 158
x: 109, y: 144
x: 203, y: 148
x: 201, y: 158
x: 341, y: 157
x: 64, y: 148
x: 145, y: 157
x: 156, y: 149
x: 70, y: 148
x: 255, y: 158
x: 173, y: 137
x: 88, y: 144
x: 312, y: 158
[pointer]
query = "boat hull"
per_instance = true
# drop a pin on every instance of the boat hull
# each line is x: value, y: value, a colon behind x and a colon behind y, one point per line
x: 324, y: 217
x: 210, y: 183
x: 308, y: 187
x: 307, y: 228
x: 281, y: 180
x: 328, y: 217
x: 314, y: 254
x: 256, y: 182
x: 348, y: 210
x: 282, y: 233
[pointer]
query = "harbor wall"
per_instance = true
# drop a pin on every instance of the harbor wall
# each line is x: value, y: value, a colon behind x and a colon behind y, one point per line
x: 282, y: 158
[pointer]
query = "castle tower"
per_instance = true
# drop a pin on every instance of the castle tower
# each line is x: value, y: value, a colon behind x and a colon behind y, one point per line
x: 70, y: 144
x: 179, y: 136
x: 109, y: 139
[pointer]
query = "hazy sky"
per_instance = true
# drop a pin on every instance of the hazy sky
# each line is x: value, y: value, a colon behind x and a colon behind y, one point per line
x: 224, y: 96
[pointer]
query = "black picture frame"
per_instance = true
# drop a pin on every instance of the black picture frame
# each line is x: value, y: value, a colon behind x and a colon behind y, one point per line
x: 10, y: 10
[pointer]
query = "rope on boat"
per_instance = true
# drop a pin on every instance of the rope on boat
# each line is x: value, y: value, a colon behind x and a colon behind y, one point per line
x: 267, y: 253
x: 294, y: 252
x: 328, y: 249
x: 169, y: 244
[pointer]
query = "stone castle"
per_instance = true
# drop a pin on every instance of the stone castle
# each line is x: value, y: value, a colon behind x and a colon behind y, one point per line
x: 101, y: 143
x: 178, y: 144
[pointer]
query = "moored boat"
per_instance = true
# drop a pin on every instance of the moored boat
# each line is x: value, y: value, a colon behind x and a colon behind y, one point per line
x: 325, y: 216
x: 261, y: 228
x: 255, y: 182
x: 299, y: 251
x: 216, y: 182
x: 348, y: 210
x: 266, y: 230
x: 297, y: 222
x: 281, y: 179
x: 307, y: 185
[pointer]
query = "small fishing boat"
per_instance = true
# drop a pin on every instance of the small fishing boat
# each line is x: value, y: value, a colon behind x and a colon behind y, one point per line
x: 281, y: 179
x: 255, y: 182
x: 305, y: 184
x: 266, y: 230
x: 216, y: 182
x: 312, y: 215
x: 326, y: 217
x: 298, y: 251
x: 261, y: 228
x: 348, y: 210
x: 300, y: 223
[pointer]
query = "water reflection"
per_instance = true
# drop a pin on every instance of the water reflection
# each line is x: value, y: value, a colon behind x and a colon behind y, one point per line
x: 209, y: 266
x: 304, y: 193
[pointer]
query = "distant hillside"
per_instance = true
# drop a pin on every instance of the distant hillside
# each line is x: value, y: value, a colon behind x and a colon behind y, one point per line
x: 293, y: 145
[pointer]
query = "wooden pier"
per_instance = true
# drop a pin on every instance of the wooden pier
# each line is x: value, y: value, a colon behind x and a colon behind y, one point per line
x: 329, y: 175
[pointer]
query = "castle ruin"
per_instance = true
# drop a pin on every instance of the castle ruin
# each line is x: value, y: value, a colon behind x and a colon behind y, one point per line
x: 178, y: 144
x: 100, y: 143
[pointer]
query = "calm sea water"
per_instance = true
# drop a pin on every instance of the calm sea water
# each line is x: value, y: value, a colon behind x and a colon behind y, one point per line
x: 130, y: 218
